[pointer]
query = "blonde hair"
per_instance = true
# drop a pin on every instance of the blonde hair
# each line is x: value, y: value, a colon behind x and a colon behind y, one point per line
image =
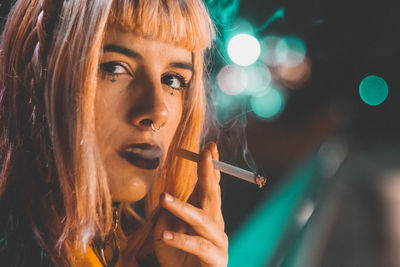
x: 59, y: 119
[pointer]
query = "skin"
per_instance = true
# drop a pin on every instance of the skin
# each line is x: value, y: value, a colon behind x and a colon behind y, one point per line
x: 130, y: 93
x: 147, y: 85
x: 197, y: 237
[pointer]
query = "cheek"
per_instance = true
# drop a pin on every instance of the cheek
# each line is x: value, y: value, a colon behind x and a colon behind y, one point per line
x: 108, y: 106
x: 175, y: 115
x: 176, y: 112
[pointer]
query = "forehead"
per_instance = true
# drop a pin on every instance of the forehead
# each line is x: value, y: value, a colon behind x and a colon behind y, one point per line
x: 146, y: 45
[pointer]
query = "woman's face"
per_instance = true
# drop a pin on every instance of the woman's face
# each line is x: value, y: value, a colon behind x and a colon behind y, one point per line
x: 141, y: 82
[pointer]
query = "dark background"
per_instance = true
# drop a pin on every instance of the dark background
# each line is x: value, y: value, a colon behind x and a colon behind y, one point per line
x: 346, y: 41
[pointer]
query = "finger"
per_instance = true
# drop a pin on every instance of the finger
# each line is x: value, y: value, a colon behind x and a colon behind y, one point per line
x: 206, y: 251
x: 200, y: 222
x: 208, y: 183
x: 209, y: 150
x: 167, y: 221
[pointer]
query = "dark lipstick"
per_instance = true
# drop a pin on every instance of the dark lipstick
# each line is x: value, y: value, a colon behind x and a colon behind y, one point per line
x: 142, y: 155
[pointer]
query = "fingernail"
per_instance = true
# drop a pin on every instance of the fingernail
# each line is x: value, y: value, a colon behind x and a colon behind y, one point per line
x: 168, y: 197
x: 167, y: 235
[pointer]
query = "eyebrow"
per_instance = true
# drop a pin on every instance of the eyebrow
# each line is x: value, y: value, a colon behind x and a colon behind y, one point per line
x: 182, y: 65
x: 135, y: 55
x: 122, y: 50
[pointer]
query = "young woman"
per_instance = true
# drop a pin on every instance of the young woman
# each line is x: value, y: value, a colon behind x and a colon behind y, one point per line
x: 96, y: 99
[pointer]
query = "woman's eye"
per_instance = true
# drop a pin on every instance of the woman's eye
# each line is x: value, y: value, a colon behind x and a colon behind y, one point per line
x: 112, y: 69
x: 175, y: 81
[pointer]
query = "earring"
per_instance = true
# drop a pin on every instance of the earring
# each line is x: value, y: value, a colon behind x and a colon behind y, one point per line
x: 109, y: 243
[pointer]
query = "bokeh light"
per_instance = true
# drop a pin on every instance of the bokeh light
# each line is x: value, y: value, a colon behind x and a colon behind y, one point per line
x: 290, y: 51
x: 294, y: 77
x: 268, y: 104
x: 232, y: 79
x: 268, y: 51
x: 373, y: 90
x: 244, y: 49
x: 258, y: 78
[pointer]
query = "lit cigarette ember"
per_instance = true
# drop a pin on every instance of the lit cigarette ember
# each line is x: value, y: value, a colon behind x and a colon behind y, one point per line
x: 227, y: 168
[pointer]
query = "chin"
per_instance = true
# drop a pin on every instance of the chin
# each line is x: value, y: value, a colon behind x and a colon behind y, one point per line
x: 130, y: 190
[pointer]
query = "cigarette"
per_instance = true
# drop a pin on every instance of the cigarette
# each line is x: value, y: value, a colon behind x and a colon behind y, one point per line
x: 248, y: 176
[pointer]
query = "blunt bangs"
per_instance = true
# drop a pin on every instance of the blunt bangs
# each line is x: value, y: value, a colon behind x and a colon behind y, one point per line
x: 184, y: 23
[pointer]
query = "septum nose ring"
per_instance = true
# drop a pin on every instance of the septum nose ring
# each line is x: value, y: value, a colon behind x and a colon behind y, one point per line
x: 154, y: 128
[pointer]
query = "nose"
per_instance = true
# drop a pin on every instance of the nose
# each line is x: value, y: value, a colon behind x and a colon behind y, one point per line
x: 150, y: 111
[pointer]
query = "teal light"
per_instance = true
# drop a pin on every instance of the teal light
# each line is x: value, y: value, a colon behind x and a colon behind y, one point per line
x: 268, y: 104
x: 278, y: 14
x: 268, y: 54
x: 255, y: 243
x: 243, y: 49
x: 241, y: 26
x: 258, y: 78
x: 290, y: 51
x: 373, y: 90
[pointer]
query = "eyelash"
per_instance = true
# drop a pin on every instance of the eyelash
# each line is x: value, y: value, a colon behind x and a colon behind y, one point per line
x: 183, y: 83
x: 109, y: 74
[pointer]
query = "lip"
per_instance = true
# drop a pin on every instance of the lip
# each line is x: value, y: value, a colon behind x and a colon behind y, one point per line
x: 143, y: 155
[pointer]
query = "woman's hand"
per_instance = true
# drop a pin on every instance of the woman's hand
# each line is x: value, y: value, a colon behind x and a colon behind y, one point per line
x: 186, y: 235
